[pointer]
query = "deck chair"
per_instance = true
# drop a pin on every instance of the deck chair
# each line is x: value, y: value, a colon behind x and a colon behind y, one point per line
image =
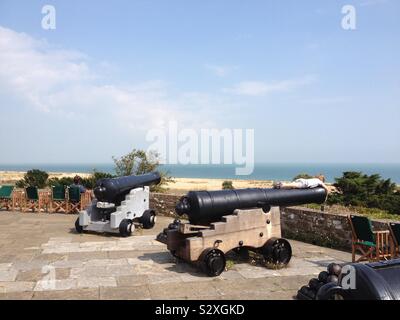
x: 373, y: 245
x: 74, y: 200
x: 32, y: 199
x: 58, y: 201
x: 394, y: 229
x: 6, y: 197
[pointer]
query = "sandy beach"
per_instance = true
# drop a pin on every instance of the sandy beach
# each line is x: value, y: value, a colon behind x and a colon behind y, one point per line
x: 186, y: 184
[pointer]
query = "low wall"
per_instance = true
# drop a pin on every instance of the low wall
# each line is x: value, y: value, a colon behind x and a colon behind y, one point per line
x: 163, y: 203
x: 299, y: 223
x: 320, y: 228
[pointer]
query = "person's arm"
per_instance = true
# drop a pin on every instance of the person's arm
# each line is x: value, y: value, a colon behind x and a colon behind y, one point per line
x: 323, y: 185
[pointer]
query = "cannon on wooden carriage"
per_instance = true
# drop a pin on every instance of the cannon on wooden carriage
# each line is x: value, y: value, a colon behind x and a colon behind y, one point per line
x: 119, y: 204
x: 225, y: 220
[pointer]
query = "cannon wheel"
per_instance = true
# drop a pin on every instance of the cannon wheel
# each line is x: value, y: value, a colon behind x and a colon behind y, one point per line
x: 277, y: 251
x: 213, y: 262
x: 78, y: 227
x: 148, y: 219
x: 125, y: 227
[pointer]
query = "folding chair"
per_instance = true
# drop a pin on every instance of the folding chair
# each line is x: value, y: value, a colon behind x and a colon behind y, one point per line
x: 373, y: 245
x: 18, y: 199
x: 58, y: 201
x: 32, y: 199
x: 394, y: 229
x: 74, y: 200
x: 6, y: 197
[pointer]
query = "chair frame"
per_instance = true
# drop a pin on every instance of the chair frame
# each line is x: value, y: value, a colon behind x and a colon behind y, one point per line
x: 383, y: 249
x: 73, y: 207
x: 18, y: 199
x: 31, y: 204
x: 396, y: 244
x: 8, y: 202
x: 58, y: 205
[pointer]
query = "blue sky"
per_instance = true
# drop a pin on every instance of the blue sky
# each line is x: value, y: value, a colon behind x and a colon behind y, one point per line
x: 110, y: 71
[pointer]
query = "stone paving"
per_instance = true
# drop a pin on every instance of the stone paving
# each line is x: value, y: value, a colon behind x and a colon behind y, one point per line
x: 42, y: 257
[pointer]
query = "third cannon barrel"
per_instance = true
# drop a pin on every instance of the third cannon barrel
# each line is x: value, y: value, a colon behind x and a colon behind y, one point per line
x: 205, y: 207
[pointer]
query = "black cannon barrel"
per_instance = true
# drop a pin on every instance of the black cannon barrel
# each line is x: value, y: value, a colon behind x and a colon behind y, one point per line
x: 204, y: 207
x: 114, y: 190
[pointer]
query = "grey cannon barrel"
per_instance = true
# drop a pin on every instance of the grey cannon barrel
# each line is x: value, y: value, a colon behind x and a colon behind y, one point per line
x: 204, y: 207
x: 114, y: 190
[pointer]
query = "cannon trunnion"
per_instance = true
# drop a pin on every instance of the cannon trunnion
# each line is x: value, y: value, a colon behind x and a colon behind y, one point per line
x: 120, y: 204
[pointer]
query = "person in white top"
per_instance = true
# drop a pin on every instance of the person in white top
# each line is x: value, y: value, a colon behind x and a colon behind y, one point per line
x: 317, y: 181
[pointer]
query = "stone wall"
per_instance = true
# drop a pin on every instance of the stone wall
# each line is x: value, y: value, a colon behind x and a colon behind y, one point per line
x: 320, y: 228
x: 299, y: 223
x: 164, y: 203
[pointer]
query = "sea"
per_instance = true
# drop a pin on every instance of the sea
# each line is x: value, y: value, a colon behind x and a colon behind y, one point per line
x: 262, y: 171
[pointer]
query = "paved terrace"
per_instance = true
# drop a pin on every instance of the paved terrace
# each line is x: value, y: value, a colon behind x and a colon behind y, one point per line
x: 41, y: 257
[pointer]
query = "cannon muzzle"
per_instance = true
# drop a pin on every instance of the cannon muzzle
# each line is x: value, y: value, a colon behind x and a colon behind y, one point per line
x: 204, y: 207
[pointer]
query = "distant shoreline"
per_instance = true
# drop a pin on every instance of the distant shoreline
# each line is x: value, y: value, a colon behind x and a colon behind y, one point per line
x: 262, y: 171
x: 180, y: 185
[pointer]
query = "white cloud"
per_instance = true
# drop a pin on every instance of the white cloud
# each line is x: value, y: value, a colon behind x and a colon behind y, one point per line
x: 220, y: 71
x: 62, y: 81
x: 261, y: 88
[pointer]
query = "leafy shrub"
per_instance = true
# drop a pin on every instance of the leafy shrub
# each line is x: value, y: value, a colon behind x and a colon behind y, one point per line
x: 227, y: 185
x: 64, y: 181
x: 90, y: 182
x: 361, y: 190
x: 303, y: 176
x: 33, y: 178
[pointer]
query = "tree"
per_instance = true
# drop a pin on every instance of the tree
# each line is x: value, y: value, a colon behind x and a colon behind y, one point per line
x: 227, y: 185
x: 139, y: 162
x: 33, y: 178
x: 358, y: 189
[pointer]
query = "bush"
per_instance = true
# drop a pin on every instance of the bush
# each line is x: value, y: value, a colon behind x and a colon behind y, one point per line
x: 361, y: 190
x: 303, y: 176
x: 139, y: 162
x: 227, y: 185
x: 64, y: 181
x: 90, y: 182
x: 33, y: 178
